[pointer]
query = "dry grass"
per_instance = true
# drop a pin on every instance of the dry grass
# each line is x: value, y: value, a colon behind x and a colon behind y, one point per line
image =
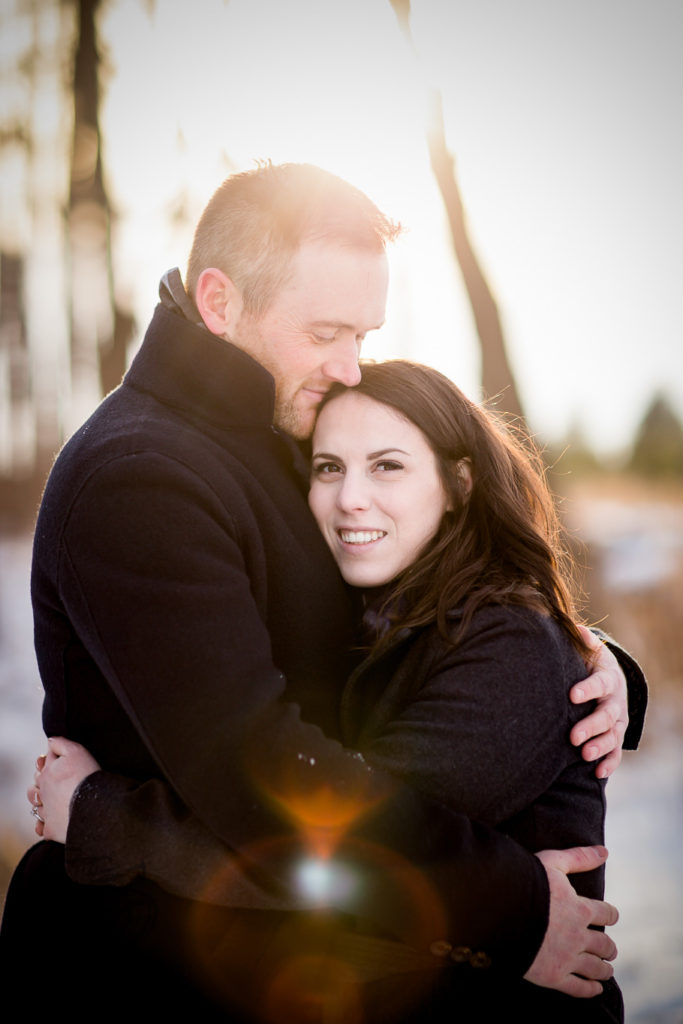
x: 631, y: 532
x: 12, y: 848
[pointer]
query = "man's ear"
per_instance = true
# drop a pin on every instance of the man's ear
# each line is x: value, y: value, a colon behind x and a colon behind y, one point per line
x: 219, y: 302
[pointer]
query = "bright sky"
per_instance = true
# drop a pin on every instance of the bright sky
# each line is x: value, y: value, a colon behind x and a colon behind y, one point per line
x: 564, y: 117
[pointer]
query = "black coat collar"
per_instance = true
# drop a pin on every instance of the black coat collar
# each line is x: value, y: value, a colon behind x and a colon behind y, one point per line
x: 194, y: 371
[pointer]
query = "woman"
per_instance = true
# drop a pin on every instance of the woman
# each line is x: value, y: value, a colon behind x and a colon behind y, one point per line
x: 445, y: 522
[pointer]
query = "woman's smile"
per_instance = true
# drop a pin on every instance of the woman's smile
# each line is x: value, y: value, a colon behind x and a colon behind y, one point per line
x: 376, y: 491
x: 360, y: 537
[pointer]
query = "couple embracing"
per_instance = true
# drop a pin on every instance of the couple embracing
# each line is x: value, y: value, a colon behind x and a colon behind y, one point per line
x: 310, y: 766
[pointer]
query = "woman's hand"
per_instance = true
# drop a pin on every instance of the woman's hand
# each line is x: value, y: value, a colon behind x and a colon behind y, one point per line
x: 57, y: 775
x: 601, y: 734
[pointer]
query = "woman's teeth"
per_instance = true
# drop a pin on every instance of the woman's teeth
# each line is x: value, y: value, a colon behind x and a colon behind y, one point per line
x: 361, y: 536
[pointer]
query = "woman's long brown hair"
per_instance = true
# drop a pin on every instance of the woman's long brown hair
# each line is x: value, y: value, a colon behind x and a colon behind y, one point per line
x: 501, y: 543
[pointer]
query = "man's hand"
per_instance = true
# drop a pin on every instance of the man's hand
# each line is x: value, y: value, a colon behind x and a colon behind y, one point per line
x: 57, y: 775
x: 601, y: 733
x: 572, y: 958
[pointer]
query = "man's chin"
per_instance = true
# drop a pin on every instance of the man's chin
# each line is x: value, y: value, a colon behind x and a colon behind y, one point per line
x: 298, y: 423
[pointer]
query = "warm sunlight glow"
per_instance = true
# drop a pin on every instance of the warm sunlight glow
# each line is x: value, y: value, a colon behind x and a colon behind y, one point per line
x: 549, y: 163
x: 563, y: 129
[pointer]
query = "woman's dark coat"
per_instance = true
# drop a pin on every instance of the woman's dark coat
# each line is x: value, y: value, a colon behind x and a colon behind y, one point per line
x: 483, y: 727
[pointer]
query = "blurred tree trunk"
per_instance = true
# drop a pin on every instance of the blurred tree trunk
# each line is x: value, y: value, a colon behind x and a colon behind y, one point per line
x: 100, y: 331
x: 17, y: 146
x: 17, y: 453
x: 497, y: 378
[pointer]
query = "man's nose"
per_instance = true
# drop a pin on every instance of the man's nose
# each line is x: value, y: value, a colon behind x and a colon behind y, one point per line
x: 342, y: 362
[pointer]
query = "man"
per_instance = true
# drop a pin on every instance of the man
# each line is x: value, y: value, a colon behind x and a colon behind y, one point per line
x: 191, y: 626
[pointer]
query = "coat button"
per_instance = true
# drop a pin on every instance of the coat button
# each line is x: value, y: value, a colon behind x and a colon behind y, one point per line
x: 440, y: 948
x: 461, y: 954
x: 480, y: 960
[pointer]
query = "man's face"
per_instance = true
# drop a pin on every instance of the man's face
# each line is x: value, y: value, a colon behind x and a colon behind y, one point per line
x: 310, y: 335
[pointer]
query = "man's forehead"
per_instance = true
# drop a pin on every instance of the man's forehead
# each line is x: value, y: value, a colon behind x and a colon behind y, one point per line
x: 340, y: 270
x: 322, y: 249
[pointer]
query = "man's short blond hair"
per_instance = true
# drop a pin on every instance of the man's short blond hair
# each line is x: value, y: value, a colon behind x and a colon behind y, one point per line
x: 256, y: 220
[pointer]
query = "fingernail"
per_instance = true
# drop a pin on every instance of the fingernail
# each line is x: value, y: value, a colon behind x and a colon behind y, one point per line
x: 580, y: 736
x: 592, y: 753
x: 581, y: 694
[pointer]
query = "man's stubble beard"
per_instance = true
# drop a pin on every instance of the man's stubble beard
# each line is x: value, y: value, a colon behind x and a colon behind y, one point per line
x: 288, y: 418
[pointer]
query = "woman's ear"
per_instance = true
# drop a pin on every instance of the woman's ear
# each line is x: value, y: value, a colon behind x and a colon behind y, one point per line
x: 460, y: 483
x: 219, y: 302
x: 465, y: 477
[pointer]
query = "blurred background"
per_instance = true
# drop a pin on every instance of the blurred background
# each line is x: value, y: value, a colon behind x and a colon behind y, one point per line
x: 533, y: 151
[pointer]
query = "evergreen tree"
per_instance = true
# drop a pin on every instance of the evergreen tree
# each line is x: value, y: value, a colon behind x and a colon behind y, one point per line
x: 658, y: 446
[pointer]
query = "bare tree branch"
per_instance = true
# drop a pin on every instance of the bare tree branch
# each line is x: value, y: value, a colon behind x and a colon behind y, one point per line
x: 497, y: 378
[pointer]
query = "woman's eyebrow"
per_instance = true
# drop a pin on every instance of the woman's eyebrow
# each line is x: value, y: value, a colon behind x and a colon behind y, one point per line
x: 370, y: 455
x: 386, y: 451
x: 324, y: 455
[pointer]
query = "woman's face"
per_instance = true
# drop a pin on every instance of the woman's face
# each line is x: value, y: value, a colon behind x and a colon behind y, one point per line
x: 376, y: 491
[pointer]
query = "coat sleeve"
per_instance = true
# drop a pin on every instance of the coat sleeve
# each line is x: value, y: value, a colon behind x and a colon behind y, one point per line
x: 636, y: 687
x: 486, y: 732
x: 121, y: 829
x: 153, y: 574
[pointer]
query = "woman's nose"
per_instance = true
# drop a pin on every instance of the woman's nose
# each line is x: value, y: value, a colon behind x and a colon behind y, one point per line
x: 354, y: 492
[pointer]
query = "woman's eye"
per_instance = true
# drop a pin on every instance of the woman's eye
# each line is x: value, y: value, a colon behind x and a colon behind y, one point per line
x: 326, y: 468
x: 388, y: 465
